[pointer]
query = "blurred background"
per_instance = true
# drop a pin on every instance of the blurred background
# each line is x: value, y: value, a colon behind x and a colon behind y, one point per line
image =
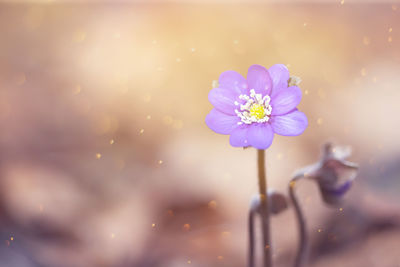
x: 105, y: 159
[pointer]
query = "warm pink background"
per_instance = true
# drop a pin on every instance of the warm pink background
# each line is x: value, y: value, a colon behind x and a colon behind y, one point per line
x: 169, y: 191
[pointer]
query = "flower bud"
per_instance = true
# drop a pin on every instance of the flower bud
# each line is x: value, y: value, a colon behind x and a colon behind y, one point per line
x: 334, y: 174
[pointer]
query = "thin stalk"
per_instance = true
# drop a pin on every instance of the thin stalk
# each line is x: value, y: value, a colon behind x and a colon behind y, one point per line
x: 264, y: 211
x: 251, y: 238
x: 302, y: 252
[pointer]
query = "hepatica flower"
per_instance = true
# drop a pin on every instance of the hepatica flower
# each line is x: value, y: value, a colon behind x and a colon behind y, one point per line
x: 333, y: 173
x: 252, y: 110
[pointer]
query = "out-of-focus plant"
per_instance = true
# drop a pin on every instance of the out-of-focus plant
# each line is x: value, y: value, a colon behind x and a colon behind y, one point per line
x: 334, y: 176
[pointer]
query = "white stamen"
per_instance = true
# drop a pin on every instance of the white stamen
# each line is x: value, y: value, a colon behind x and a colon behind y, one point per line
x: 254, y: 99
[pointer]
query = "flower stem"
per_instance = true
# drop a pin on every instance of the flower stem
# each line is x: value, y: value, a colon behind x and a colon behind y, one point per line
x: 251, y: 238
x: 264, y: 212
x: 302, y: 252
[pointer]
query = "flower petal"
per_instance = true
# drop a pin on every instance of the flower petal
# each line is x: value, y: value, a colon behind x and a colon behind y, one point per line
x: 238, y: 137
x: 280, y: 75
x: 234, y: 81
x: 286, y: 100
x: 334, y: 195
x: 220, y: 122
x: 224, y: 100
x: 291, y: 124
x: 339, y: 190
x: 260, y: 136
x: 259, y: 79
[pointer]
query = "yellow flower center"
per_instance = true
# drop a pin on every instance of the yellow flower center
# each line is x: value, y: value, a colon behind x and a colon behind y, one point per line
x: 257, y: 111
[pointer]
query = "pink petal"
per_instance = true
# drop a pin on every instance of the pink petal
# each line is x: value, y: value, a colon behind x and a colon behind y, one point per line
x: 233, y: 81
x: 258, y: 79
x: 291, y: 124
x: 260, y: 136
x: 224, y: 100
x: 238, y: 137
x: 286, y: 100
x: 280, y: 76
x: 220, y: 122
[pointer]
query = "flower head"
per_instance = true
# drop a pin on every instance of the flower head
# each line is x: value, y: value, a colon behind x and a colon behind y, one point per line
x: 252, y: 110
x: 276, y: 200
x: 333, y: 173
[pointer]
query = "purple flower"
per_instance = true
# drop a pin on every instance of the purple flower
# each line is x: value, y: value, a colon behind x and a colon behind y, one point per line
x: 333, y: 173
x: 252, y: 110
